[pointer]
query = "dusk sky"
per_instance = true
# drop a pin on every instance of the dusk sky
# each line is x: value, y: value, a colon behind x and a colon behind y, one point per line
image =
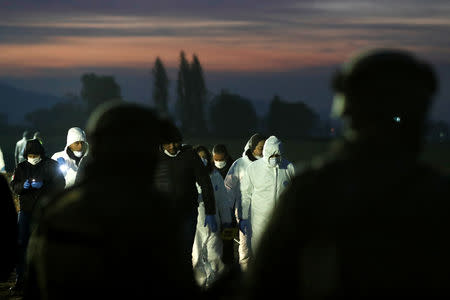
x: 47, y: 45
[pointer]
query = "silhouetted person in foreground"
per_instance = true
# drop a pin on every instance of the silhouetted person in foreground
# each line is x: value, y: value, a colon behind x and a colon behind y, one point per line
x: 107, y: 237
x: 370, y: 219
x: 8, y: 230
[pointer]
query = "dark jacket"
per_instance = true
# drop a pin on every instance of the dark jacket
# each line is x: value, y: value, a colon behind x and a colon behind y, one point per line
x: 224, y: 171
x: 370, y: 221
x: 47, y: 170
x: 176, y: 177
x: 105, y: 239
x: 8, y: 230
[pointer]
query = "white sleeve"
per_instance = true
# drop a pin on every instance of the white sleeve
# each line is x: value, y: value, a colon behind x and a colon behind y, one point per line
x: 246, y: 194
x: 231, y: 183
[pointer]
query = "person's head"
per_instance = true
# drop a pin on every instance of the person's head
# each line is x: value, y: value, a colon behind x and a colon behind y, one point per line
x: 272, y: 151
x: 205, y: 156
x: 76, y: 140
x: 256, y: 145
x: 220, y: 155
x: 34, y: 152
x: 26, y: 134
x: 171, y: 137
x: 384, y: 92
x: 124, y: 132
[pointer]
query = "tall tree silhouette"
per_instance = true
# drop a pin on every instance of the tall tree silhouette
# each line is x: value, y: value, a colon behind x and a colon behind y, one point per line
x: 160, y: 87
x: 199, y: 92
x: 97, y: 89
x: 183, y: 105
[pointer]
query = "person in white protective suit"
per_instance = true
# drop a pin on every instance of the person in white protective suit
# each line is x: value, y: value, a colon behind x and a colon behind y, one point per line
x: 207, y: 249
x: 2, y: 163
x: 69, y: 159
x: 253, y: 151
x: 263, y: 183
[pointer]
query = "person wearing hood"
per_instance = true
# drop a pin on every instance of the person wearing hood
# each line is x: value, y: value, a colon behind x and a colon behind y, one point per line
x: 20, y: 147
x: 263, y: 183
x: 69, y: 159
x: 222, y: 159
x: 33, y: 179
x: 179, y: 169
x: 207, y: 250
x: 253, y: 151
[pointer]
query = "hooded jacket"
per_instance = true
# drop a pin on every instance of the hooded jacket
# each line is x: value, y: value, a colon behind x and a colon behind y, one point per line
x: 70, y: 169
x: 46, y: 171
x: 234, y: 177
x: 262, y: 186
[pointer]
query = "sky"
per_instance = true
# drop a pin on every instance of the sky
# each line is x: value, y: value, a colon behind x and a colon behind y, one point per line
x: 257, y: 48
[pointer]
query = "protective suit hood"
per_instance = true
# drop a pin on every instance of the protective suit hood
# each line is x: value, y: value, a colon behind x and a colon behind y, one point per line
x: 75, y: 134
x: 272, y: 146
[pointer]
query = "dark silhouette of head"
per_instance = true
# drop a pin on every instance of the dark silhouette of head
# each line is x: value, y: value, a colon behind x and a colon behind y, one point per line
x: 125, y: 134
x: 384, y: 92
x: 26, y: 134
x: 34, y: 146
x: 204, y: 153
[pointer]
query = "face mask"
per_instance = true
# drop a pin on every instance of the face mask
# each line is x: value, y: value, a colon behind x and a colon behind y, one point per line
x: 220, y: 164
x: 34, y: 161
x: 257, y: 156
x: 171, y: 155
x: 205, y: 162
x: 78, y: 153
x: 274, y: 161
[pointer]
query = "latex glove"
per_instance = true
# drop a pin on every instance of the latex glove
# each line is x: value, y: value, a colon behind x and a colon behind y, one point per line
x: 210, y: 220
x: 244, y: 226
x: 61, y: 160
x: 37, y: 184
x: 26, y: 184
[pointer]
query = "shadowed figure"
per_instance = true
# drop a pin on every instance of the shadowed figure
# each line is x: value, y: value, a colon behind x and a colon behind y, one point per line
x: 106, y: 236
x: 8, y: 230
x: 368, y: 219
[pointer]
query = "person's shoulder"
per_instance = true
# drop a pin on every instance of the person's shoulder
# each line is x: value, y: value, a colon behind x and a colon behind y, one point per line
x: 50, y: 161
x: 58, y: 154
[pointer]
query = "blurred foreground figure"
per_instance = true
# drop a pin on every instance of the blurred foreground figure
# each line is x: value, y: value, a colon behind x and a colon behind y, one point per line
x: 8, y: 230
x: 107, y: 237
x: 370, y: 220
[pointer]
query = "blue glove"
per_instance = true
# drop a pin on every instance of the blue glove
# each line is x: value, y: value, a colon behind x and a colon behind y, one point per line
x: 61, y: 160
x: 37, y: 184
x: 244, y: 226
x: 210, y: 220
x: 26, y: 184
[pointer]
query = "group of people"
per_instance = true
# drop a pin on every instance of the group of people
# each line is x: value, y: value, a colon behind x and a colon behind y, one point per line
x: 366, y: 220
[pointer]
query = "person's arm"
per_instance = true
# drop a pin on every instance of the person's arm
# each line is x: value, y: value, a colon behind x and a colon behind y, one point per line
x: 18, y: 181
x: 16, y: 154
x: 204, y: 181
x: 231, y: 183
x: 246, y: 194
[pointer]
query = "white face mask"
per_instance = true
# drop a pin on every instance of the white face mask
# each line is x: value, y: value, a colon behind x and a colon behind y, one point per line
x: 34, y: 161
x: 205, y: 162
x: 78, y: 153
x: 171, y: 155
x: 257, y: 156
x: 220, y: 164
x: 274, y: 161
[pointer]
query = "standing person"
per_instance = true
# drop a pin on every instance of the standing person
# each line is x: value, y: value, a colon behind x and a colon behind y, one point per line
x: 263, y: 183
x: 108, y: 237
x: 222, y: 159
x: 178, y: 170
x: 369, y: 219
x: 253, y: 151
x: 20, y: 147
x: 207, y: 250
x: 2, y: 163
x: 33, y: 179
x: 69, y: 159
x: 8, y: 230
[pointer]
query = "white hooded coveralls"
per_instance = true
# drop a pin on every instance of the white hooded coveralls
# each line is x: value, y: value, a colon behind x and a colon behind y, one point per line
x: 262, y: 186
x: 233, y: 185
x: 2, y: 162
x: 207, y: 249
x: 74, y: 134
